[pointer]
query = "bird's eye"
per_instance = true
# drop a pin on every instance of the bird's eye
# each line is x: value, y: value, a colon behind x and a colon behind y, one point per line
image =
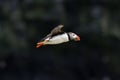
x: 73, y: 34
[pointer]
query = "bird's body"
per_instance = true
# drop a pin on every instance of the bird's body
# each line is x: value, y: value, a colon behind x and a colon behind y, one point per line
x: 57, y: 36
x: 58, y: 39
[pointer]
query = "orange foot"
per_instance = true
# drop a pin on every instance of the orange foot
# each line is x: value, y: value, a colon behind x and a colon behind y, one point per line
x: 39, y: 44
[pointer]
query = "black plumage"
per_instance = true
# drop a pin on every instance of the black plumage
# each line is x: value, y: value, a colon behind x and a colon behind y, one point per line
x: 56, y: 31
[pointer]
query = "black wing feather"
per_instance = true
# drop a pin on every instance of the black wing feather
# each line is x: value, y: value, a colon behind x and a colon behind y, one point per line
x: 57, y: 30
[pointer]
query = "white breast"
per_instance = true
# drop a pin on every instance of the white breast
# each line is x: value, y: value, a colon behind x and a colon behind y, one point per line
x: 58, y: 39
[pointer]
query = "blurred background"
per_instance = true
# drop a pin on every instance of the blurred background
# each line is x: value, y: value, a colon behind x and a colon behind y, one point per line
x: 24, y: 22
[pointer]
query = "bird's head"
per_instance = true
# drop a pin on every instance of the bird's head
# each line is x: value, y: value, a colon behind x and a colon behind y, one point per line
x: 74, y: 36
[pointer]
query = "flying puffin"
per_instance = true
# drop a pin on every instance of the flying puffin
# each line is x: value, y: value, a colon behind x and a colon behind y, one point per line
x: 57, y: 36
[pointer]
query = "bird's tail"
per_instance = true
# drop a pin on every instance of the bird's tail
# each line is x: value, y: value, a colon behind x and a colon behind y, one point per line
x: 39, y: 44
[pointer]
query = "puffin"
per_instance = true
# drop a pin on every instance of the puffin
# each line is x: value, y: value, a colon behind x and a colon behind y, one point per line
x: 58, y: 36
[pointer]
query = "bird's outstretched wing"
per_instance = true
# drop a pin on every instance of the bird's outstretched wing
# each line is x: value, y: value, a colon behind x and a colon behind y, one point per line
x: 55, y: 31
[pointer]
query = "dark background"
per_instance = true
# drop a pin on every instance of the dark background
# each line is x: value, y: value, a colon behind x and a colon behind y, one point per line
x: 24, y: 22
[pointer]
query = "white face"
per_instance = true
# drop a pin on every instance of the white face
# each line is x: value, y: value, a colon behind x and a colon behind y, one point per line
x: 74, y: 36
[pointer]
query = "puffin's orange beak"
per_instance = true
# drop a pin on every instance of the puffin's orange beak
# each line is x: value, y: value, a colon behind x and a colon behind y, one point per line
x: 77, y: 38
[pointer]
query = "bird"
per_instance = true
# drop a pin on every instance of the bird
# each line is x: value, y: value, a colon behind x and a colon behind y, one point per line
x: 58, y: 36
